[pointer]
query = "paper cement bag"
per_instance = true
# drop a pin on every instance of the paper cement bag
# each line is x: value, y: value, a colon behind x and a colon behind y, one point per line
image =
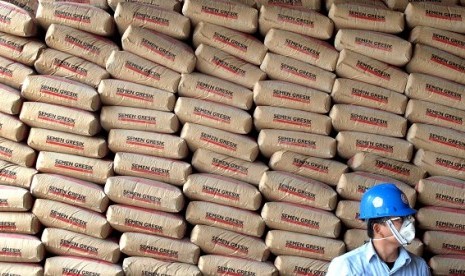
x: 222, y: 190
x: 16, y: 21
x: 439, y: 242
x: 20, y: 49
x: 214, y: 240
x: 375, y: 3
x: 12, y: 128
x: 28, y: 5
x: 287, y: 187
x: 441, y: 219
x: 17, y: 153
x: 445, y: 17
x: 440, y: 164
x: 205, y: 87
x: 442, y: 191
x: 144, y: 193
x: 348, y: 212
x: 64, y: 242
x: 284, y: 68
x: 19, y: 223
x: 22, y: 269
x: 21, y: 248
x: 173, y: 5
x: 69, y: 190
x: 446, y: 264
x: 13, y: 73
x: 295, y: 266
x: 145, y: 265
x: 102, y: 4
x: 307, y: 4
x: 155, y: 168
x: 126, y: 218
x: 289, y: 95
x: 229, y: 218
x: 14, y: 199
x: 400, y: 5
x: 14, y: 175
x: 80, y: 266
x: 220, y: 265
x: 12, y: 100
x: 451, y: 42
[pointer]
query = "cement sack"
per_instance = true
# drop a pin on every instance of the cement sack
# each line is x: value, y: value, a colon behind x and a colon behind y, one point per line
x: 90, y: 47
x: 214, y: 115
x: 102, y: 4
x: 363, y: 119
x: 61, y: 64
x: 290, y: 119
x: 303, y: 48
x: 67, y: 243
x: 301, y: 219
x: 132, y: 118
x: 79, y: 16
x: 431, y: 61
x: 229, y: 218
x: 295, y: 266
x: 229, y: 14
x: 273, y: 140
x: 57, y: 141
x: 301, y: 21
x: 211, y: 265
x: 14, y: 199
x: 217, y: 63
x: 80, y: 266
x: 14, y: 175
x: 383, y: 47
x: 155, y: 168
x: 283, y: 68
x: 446, y: 264
x: 69, y: 190
x: 60, y: 91
x: 375, y: 3
x: 126, y: 218
x: 153, y: 18
x: 238, y: 44
x: 205, y: 87
x: 451, y: 42
x: 173, y: 5
x: 21, y: 248
x: 305, y: 4
x: 347, y: 91
x: 435, y: 90
x: 362, y: 17
x: 12, y: 100
x: 444, y: 17
x: 289, y: 95
x: 60, y: 215
x: 210, y: 162
x: 303, y: 245
x: 442, y: 191
x: 358, y: 67
x: 13, y: 73
x: 16, y: 21
x: 287, y: 187
x: 353, y: 185
x: 435, y: 114
x: 19, y: 223
x: 17, y: 153
x: 147, y: 266
x: 348, y: 212
x: 351, y: 142
x: 224, y: 142
x: 159, y: 48
x: 143, y: 245
x: 12, y: 128
x: 214, y: 240
x: 124, y: 93
x: 149, y: 143
x: 21, y: 269
x: 129, y: 67
x: 28, y: 5
x: 144, y: 193
x: 439, y: 242
x: 222, y: 190
x: 437, y: 139
x: 441, y: 219
x: 324, y: 170
x: 19, y: 49
x: 440, y: 164
x: 400, y: 5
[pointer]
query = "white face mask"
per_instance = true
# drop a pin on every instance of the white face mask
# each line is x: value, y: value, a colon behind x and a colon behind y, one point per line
x: 405, y: 235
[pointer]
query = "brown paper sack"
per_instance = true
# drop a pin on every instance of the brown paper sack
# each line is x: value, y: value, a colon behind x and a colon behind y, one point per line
x: 288, y: 187
x: 27, y: 5
x: 229, y: 218
x: 303, y: 245
x: 223, y: 265
x: 12, y: 100
x: 295, y: 266
x: 442, y: 191
x: 21, y: 269
x: 400, y: 5
x: 238, y: 44
x: 446, y: 264
x: 289, y: 95
x: 441, y: 219
x: 17, y: 153
x: 214, y: 240
x: 81, y: 266
x: 145, y: 265
x: 102, y: 4
x: 445, y: 17
x: 217, y: 63
x: 159, y: 48
x: 19, y: 223
x: 205, y: 87
x: 60, y: 215
x: 374, y: 3
x: 439, y: 242
x: 143, y: 245
x: 69, y: 190
x: 14, y: 175
x: 155, y: 168
x: 440, y: 164
x: 273, y: 140
x: 435, y: 114
x: 12, y: 128
x: 284, y: 68
x: 348, y: 212
x: 126, y: 218
x: 451, y: 42
x: 16, y: 21
x: 144, y: 193
x: 222, y: 190
x: 63, y: 242
x: 12, y: 73
x: 14, y: 199
x: 307, y: 4
x: 19, y: 49
x: 21, y: 248
x: 173, y: 5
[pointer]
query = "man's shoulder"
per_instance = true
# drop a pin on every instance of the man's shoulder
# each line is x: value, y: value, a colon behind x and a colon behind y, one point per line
x: 416, y: 259
x: 355, y: 254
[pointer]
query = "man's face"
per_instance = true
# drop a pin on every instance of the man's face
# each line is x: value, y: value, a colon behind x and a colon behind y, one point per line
x: 383, y: 230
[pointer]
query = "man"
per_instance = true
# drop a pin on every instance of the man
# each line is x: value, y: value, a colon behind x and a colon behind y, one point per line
x: 390, y: 227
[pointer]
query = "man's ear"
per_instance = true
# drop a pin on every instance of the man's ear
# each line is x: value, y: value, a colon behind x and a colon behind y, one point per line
x: 377, y: 230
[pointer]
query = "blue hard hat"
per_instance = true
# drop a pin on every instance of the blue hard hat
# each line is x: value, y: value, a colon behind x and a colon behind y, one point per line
x: 384, y: 200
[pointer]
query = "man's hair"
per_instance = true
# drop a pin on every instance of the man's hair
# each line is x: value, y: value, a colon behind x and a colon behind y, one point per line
x: 371, y: 223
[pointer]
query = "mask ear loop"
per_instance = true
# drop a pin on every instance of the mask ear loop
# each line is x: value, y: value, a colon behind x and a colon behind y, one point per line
x: 396, y: 233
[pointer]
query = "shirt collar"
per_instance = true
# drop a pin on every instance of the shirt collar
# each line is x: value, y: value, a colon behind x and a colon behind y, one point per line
x: 370, y: 252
